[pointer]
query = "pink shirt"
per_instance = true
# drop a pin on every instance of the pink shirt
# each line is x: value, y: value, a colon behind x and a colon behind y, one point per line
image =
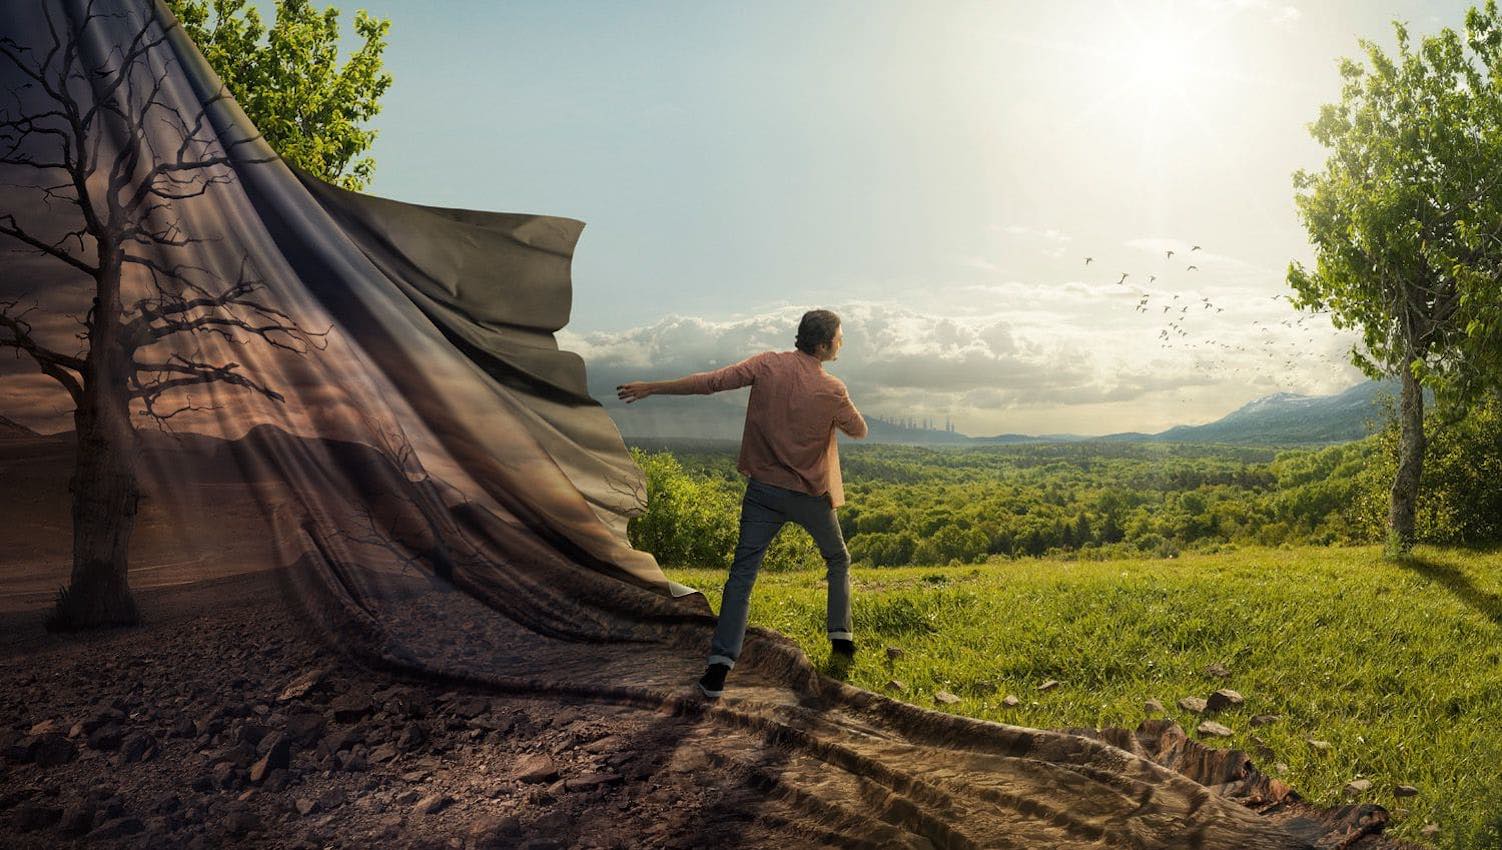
x: 791, y: 417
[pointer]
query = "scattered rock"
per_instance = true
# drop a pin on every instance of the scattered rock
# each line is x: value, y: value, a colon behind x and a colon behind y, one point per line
x: 469, y: 709
x: 893, y: 653
x: 1194, y: 704
x: 413, y: 736
x: 117, y: 828
x: 1223, y: 699
x: 1049, y: 685
x: 278, y: 756
x: 52, y: 749
x: 1405, y: 791
x: 1217, y: 671
x: 301, y: 686
x: 945, y: 697
x: 32, y: 815
x: 432, y: 804
x: 305, y: 806
x: 304, y: 729
x: 77, y: 819
x: 896, y: 685
x: 137, y: 747
x: 106, y: 737
x: 1265, y: 719
x: 1209, y: 727
x: 1320, y: 746
x: 590, y: 780
x: 537, y: 768
x: 1357, y: 787
x: 1010, y: 701
x: 1152, y: 706
x: 44, y: 727
x: 351, y: 707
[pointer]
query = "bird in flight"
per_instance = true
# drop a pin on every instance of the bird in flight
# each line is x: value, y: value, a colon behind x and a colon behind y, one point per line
x: 1123, y: 279
x: 1192, y: 268
x: 1088, y: 260
x: 1170, y: 254
x: 1195, y: 248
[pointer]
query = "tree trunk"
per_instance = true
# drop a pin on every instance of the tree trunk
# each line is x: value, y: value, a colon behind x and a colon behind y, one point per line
x: 1405, y: 485
x: 105, y: 493
x: 104, y: 484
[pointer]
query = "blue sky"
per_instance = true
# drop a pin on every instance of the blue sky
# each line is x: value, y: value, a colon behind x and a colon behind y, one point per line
x: 934, y: 172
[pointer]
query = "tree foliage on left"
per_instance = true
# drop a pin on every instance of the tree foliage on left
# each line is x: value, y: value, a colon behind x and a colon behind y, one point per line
x: 289, y: 81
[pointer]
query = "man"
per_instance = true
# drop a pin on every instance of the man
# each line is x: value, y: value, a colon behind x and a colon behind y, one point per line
x: 791, y: 460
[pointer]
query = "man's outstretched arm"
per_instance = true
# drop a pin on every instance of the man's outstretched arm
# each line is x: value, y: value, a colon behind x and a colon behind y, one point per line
x: 848, y: 419
x: 700, y: 383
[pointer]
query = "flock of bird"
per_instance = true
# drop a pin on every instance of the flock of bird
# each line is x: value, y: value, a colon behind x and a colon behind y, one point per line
x: 1278, y: 348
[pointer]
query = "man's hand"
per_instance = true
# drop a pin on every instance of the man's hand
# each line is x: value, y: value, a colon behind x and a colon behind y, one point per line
x: 634, y: 391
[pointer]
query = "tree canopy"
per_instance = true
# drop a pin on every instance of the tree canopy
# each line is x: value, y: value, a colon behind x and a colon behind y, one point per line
x: 289, y: 81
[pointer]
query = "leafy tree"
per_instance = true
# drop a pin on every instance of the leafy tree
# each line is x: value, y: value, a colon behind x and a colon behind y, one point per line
x: 1406, y: 222
x: 288, y: 80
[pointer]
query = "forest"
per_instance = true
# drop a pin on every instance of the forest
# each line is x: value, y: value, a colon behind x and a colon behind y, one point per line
x: 1092, y: 500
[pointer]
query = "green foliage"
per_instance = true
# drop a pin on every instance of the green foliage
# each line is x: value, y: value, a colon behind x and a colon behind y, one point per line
x: 1093, y: 501
x: 1404, y: 216
x: 693, y: 519
x: 289, y: 81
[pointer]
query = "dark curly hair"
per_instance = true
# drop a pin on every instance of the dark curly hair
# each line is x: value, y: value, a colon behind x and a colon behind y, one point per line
x: 815, y: 329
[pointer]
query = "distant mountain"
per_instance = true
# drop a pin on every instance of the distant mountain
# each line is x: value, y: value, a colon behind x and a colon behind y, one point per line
x: 1277, y: 419
x: 12, y: 428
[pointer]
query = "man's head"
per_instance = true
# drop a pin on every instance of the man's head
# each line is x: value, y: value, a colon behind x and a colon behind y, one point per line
x: 819, y: 334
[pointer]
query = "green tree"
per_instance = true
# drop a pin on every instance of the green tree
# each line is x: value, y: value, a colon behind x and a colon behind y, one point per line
x: 289, y: 81
x: 1406, y: 222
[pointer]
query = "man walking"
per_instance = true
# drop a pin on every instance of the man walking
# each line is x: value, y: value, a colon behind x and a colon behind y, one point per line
x: 790, y: 457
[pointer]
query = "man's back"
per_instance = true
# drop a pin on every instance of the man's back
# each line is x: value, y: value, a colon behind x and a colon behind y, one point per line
x: 791, y: 416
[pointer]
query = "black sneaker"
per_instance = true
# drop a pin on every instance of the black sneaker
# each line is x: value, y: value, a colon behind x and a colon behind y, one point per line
x: 843, y: 647
x: 713, y: 682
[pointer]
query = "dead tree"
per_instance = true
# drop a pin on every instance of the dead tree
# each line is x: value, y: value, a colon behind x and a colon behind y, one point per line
x: 100, y: 137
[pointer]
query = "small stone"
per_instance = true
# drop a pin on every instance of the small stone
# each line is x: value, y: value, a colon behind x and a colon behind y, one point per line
x: 1217, y: 671
x: 1264, y: 719
x: 606, y: 744
x: 184, y: 728
x: 945, y: 697
x: 351, y: 707
x: 78, y: 819
x: 1010, y: 701
x: 432, y: 804
x: 412, y: 737
x: 1357, y: 787
x: 117, y: 828
x: 304, y: 729
x: 44, y: 727
x: 1194, y: 704
x: 106, y: 737
x: 1152, y: 706
x: 893, y: 653
x: 301, y: 686
x: 590, y: 780
x: 408, y: 797
x: 305, y: 806
x: 1049, y: 685
x: 1209, y: 727
x: 32, y: 815
x: 383, y: 753
x: 1430, y: 830
x: 1223, y: 699
x: 241, y: 822
x: 469, y: 709
x: 1320, y: 746
x: 137, y: 747
x: 1405, y: 791
x: 332, y: 799
x: 52, y: 749
x: 896, y: 685
x: 536, y: 768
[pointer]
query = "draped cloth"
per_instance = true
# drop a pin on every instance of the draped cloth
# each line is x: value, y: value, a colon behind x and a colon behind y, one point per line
x: 446, y: 500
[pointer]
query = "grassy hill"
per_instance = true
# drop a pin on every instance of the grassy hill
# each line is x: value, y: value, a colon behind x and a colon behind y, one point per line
x: 1396, y: 667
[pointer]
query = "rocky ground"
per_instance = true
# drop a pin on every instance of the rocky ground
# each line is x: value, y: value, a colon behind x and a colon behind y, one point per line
x: 222, y: 723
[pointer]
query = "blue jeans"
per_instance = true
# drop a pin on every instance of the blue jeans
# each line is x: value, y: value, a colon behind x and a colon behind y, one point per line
x: 764, y: 509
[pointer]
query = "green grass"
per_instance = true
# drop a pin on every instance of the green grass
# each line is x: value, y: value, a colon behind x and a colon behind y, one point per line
x: 1397, y: 665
